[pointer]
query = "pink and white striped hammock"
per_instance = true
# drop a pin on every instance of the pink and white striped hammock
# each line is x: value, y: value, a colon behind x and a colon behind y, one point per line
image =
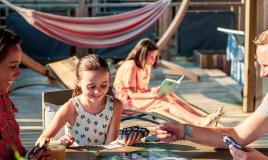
x: 95, y: 32
x: 104, y: 32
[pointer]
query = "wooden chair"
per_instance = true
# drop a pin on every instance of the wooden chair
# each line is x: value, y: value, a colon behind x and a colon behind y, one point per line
x: 51, y: 102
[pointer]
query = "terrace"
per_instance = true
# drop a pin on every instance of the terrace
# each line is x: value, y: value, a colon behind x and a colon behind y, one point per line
x: 215, y: 88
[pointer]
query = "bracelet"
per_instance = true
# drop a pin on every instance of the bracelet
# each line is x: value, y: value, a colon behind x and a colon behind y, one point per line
x: 186, y: 132
x: 184, y: 127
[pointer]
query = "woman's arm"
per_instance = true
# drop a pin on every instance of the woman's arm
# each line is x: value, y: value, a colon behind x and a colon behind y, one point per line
x: 65, y: 114
x: 115, y: 121
x: 248, y: 131
x: 251, y: 128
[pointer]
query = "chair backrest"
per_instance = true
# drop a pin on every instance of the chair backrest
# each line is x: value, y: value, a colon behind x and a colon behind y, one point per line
x: 51, y: 102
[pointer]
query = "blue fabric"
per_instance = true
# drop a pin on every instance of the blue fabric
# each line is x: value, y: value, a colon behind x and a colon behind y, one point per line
x: 121, y: 51
x: 199, y: 31
x: 237, y: 71
x: 35, y: 43
x: 235, y: 51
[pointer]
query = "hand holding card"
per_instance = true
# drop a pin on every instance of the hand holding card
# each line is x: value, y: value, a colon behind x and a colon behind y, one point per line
x: 125, y: 132
x: 230, y: 141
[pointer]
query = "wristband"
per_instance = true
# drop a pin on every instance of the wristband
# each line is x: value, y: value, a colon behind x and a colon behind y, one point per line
x: 186, y: 132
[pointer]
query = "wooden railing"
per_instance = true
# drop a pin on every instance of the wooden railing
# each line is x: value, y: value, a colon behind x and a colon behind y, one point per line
x: 51, y: 5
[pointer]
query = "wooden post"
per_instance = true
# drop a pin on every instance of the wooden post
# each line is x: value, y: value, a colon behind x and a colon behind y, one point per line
x: 265, y: 14
x: 81, y: 11
x: 250, y: 33
x: 164, y: 22
x: 241, y: 16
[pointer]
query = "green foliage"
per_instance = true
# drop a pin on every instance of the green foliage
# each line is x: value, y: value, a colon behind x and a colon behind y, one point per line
x: 17, y: 154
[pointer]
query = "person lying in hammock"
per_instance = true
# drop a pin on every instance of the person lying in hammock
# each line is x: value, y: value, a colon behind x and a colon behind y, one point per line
x: 131, y: 87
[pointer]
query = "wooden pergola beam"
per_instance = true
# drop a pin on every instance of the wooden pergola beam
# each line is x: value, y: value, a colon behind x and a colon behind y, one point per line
x: 81, y: 11
x: 39, y: 68
x: 179, y: 69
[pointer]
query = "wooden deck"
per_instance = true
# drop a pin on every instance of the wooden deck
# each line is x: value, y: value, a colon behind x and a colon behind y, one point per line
x: 213, y: 91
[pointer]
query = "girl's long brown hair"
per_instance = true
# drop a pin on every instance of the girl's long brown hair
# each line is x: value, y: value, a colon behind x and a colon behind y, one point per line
x: 141, y: 50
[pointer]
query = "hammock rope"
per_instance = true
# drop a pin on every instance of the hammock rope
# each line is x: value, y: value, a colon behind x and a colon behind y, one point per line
x: 95, y: 32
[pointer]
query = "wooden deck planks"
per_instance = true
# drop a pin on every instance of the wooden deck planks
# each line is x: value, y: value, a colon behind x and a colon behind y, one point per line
x: 213, y: 91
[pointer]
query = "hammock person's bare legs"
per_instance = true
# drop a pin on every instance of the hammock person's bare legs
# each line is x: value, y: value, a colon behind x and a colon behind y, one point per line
x: 173, y: 98
x: 182, y: 114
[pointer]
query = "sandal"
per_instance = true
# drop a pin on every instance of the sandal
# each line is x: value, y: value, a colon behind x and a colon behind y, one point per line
x: 212, y: 119
x: 214, y: 122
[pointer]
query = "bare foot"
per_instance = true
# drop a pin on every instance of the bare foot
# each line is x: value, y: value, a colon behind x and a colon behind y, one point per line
x: 211, y: 119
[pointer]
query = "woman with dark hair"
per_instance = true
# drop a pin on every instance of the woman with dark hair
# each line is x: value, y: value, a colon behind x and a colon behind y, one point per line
x: 10, y: 59
x: 131, y: 87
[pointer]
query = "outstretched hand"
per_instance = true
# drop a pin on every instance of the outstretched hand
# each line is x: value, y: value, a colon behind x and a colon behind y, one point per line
x: 131, y: 139
x: 155, y: 92
x: 249, y: 154
x: 41, y: 155
x: 155, y: 89
x: 67, y: 140
x: 39, y: 151
x: 169, y: 132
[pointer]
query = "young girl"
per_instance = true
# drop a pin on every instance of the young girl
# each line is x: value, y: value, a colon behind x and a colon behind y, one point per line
x: 131, y: 86
x: 91, y: 116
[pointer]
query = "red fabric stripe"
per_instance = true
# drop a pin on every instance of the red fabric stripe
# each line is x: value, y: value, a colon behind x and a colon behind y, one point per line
x: 91, y: 43
x: 97, y: 29
x: 101, y: 34
x: 101, y: 20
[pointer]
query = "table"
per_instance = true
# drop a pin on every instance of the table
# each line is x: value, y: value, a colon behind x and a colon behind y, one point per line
x: 184, y: 149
